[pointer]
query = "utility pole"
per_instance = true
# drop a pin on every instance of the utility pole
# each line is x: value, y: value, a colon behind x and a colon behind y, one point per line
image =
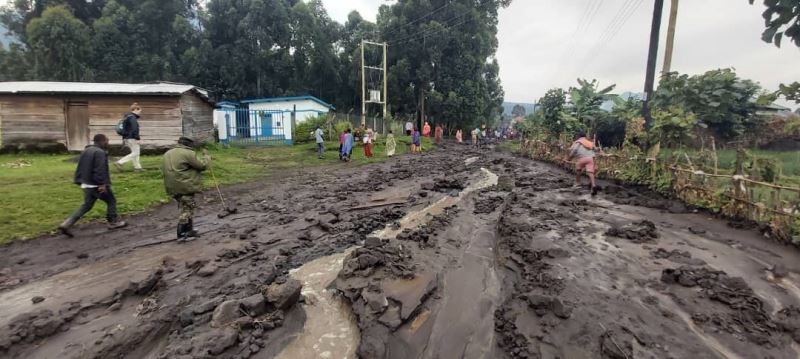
x: 652, y: 57
x: 363, y: 88
x: 673, y: 20
x: 377, y: 95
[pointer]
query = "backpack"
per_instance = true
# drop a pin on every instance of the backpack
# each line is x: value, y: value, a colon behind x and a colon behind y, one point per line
x: 121, y: 126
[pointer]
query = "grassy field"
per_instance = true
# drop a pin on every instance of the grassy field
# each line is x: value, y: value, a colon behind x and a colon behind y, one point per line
x: 38, y: 193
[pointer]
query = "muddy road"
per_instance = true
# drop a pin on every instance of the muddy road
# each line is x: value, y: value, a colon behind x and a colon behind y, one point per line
x: 453, y: 254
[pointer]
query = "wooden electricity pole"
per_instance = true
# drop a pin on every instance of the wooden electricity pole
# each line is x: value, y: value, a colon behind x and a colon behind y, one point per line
x: 673, y: 21
x: 363, y: 88
x: 652, y: 57
x: 385, y: 82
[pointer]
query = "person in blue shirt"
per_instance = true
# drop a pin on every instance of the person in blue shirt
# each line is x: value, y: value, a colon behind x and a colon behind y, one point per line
x: 347, y: 146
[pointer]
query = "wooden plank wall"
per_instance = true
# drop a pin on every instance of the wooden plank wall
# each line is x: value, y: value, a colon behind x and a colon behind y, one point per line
x: 37, y: 119
x: 198, y: 117
x: 159, y: 125
x: 31, y: 119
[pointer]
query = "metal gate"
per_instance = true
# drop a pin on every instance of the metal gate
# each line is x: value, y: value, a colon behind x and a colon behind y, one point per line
x: 256, y: 127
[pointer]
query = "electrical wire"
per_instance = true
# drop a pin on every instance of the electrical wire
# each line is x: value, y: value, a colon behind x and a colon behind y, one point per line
x: 423, y: 17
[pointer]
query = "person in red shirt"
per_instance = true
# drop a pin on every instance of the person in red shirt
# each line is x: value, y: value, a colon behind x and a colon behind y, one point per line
x: 426, y: 130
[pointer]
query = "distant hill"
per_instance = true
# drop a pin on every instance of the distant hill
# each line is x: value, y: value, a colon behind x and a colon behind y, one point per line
x: 509, y: 106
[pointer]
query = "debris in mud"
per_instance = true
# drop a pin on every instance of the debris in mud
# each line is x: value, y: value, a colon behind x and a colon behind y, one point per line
x: 543, y: 304
x: 616, y: 345
x: 444, y: 185
x: 747, y: 313
x: 391, y: 257
x: 697, y: 231
x: 788, y: 319
x: 487, y: 204
x: 510, y: 340
x: 677, y: 256
x: 425, y: 235
x: 639, y: 232
x: 37, y: 299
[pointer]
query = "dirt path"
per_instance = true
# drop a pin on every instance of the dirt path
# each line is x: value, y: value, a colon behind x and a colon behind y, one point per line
x: 440, y: 266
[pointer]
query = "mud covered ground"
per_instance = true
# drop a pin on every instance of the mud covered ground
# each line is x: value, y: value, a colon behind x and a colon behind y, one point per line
x: 453, y: 254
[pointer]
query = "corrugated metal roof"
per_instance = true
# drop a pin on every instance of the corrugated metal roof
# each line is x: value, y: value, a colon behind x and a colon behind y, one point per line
x: 291, y: 99
x: 45, y: 87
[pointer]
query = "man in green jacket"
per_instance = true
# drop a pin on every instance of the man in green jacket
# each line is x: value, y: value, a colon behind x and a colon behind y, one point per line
x: 182, y: 179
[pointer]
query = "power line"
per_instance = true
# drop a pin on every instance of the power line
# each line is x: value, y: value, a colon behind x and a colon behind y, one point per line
x: 425, y: 33
x: 625, y: 21
x: 423, y: 17
x: 573, y: 41
x: 619, y: 21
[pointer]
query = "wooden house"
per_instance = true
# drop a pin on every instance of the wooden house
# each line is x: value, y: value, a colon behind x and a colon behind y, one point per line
x: 68, y: 114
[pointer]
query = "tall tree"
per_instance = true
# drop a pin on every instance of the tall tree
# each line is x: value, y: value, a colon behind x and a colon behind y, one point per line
x: 720, y: 99
x: 782, y: 18
x: 444, y: 50
x: 60, y: 45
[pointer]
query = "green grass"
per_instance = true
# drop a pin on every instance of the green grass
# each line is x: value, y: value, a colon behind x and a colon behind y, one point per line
x: 788, y: 162
x: 38, y: 197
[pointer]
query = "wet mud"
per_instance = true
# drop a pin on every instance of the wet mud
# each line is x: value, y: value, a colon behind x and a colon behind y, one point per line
x: 454, y: 254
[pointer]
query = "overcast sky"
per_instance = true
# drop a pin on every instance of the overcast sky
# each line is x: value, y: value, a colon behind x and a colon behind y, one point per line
x: 542, y: 45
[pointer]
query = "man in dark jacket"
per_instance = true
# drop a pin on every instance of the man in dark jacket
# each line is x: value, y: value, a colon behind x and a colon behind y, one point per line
x: 95, y: 181
x: 182, y: 179
x: 130, y: 138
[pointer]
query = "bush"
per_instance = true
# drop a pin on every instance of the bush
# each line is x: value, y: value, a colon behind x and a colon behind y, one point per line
x: 304, y: 132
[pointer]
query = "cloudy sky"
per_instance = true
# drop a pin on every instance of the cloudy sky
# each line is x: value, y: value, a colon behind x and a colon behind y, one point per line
x: 550, y: 43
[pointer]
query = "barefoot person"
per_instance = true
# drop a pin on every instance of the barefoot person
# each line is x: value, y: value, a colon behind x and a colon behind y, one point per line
x: 391, y: 144
x: 130, y: 138
x: 182, y: 179
x: 95, y: 181
x: 583, y: 150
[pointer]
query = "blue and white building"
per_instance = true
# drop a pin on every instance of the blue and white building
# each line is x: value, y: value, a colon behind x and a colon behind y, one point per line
x: 266, y: 120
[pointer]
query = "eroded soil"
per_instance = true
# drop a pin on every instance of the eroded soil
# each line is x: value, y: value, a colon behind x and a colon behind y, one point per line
x: 453, y: 254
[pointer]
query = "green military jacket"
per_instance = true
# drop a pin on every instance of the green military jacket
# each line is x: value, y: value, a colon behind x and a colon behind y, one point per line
x: 182, y: 171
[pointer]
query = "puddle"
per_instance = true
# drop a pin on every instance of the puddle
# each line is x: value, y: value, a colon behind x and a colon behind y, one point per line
x: 415, y: 219
x: 330, y: 330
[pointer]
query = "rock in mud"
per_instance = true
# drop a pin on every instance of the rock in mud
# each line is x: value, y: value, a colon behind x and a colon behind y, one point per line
x: 391, y: 317
x: 375, y: 300
x: 37, y: 299
x: 677, y: 256
x: 217, y: 341
x: 543, y: 304
x: 255, y: 305
x: 207, y: 306
x: 363, y: 262
x: 615, y: 347
x: 225, y: 313
x: 284, y: 295
x: 643, y: 231
x: 207, y: 270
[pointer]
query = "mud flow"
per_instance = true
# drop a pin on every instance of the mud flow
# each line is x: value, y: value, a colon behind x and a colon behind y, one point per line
x: 458, y: 253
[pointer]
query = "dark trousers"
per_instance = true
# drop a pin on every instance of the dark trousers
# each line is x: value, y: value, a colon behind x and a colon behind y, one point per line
x: 320, y: 149
x: 90, y: 196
